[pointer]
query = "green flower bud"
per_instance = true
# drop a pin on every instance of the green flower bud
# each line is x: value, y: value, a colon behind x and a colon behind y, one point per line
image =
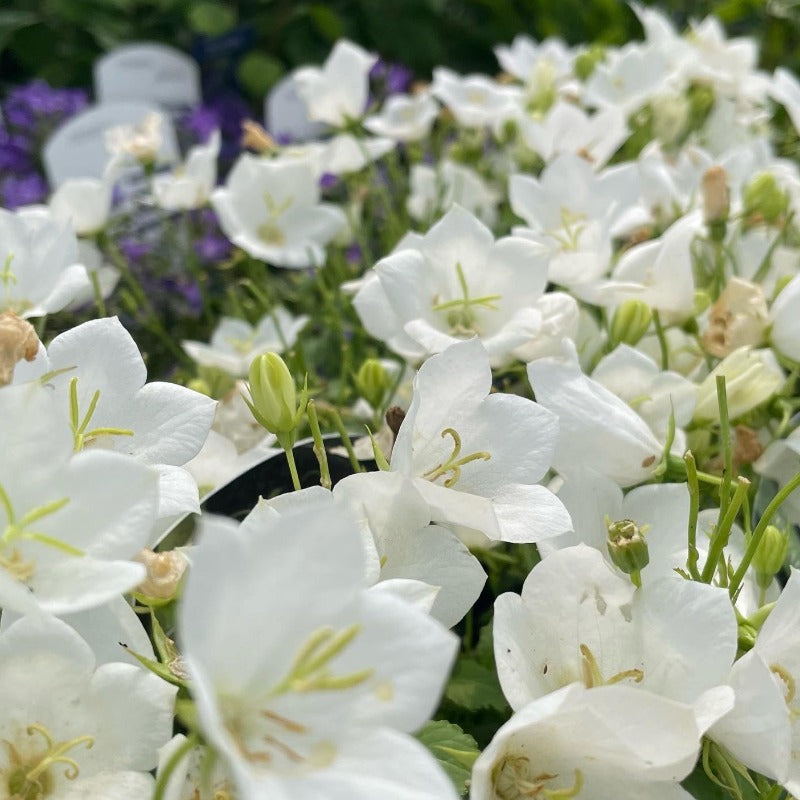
x: 274, y: 398
x: 586, y: 61
x: 631, y: 321
x: 770, y: 554
x: 627, y: 547
x: 764, y: 198
x: 372, y: 382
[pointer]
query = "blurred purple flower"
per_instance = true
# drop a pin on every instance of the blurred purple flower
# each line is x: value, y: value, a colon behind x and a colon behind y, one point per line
x: 201, y: 122
x: 23, y: 190
x: 14, y: 153
x: 353, y: 254
x: 328, y: 181
x: 394, y: 78
x: 186, y: 289
x: 212, y: 248
x: 37, y: 101
x: 133, y: 249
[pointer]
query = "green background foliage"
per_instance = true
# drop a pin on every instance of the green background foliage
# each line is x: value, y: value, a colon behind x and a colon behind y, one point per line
x: 59, y: 39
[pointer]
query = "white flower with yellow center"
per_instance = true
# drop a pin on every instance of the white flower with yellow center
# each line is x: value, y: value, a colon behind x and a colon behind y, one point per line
x: 70, y: 523
x: 404, y: 118
x: 319, y: 702
x: 476, y: 456
x: 70, y: 730
x: 454, y: 283
x: 271, y: 209
x: 190, y: 185
x: 476, y: 101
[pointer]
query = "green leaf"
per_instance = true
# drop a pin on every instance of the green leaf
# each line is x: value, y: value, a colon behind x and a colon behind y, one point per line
x: 455, y: 750
x: 210, y: 18
x: 327, y: 21
x: 473, y: 686
x: 258, y: 73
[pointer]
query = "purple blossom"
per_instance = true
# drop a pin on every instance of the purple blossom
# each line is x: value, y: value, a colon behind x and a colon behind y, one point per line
x: 353, y: 254
x: 186, y: 289
x: 134, y: 249
x: 23, y: 190
x: 392, y: 77
x: 328, y: 181
x: 201, y: 122
x: 14, y: 153
x: 35, y: 102
x: 212, y: 248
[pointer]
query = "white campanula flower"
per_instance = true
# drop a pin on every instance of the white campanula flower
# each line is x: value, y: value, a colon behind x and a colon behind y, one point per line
x: 84, y: 202
x: 596, y: 427
x: 566, y: 128
x: 456, y: 282
x: 271, y: 209
x: 762, y: 731
x: 526, y: 59
x: 140, y: 142
x: 475, y: 456
x: 578, y: 619
x: 476, y: 101
x: 71, y: 729
x: 190, y: 185
x: 321, y: 701
x: 71, y: 522
x: 404, y: 118
x: 38, y: 269
x: 610, y: 741
x: 235, y: 343
x: 337, y: 92
x: 96, y: 377
x: 435, y: 190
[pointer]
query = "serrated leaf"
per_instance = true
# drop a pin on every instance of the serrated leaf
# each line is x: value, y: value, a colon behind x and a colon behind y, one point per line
x: 473, y: 686
x: 454, y: 749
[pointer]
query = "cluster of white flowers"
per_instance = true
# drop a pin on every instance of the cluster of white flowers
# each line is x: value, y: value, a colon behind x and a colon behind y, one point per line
x: 595, y: 326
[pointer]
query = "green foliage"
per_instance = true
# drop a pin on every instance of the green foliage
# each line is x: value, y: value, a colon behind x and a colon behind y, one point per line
x: 60, y: 39
x: 455, y: 750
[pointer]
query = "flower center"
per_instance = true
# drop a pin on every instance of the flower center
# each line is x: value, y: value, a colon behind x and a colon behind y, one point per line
x: 572, y: 226
x: 512, y: 779
x: 789, y: 688
x: 460, y: 312
x: 17, y: 530
x: 81, y: 436
x: 7, y: 276
x: 592, y: 676
x: 30, y: 777
x: 454, y: 463
x: 263, y: 736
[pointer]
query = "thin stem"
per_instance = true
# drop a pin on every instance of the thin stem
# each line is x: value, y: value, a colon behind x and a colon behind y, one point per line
x: 172, y: 764
x: 662, y: 340
x: 694, y: 508
x: 720, y: 538
x: 727, y: 447
x: 346, y: 441
x: 286, y: 441
x: 755, y: 539
x: 319, y: 446
x: 98, y: 293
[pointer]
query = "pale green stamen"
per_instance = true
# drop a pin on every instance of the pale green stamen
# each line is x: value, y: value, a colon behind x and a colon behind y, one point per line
x: 81, y: 436
x: 593, y: 677
x: 460, y: 316
x: 7, y: 276
x: 454, y: 463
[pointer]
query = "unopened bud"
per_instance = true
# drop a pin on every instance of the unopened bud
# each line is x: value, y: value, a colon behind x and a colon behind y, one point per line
x: 164, y: 573
x: 738, y: 318
x: 770, y: 554
x: 626, y: 546
x: 631, y: 321
x: 255, y: 137
x: 273, y: 396
x: 372, y: 382
x: 716, y: 198
x: 18, y: 340
x: 764, y: 199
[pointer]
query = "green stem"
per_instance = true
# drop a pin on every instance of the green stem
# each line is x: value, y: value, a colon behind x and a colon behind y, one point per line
x: 662, y: 340
x: 755, y: 539
x: 172, y: 764
x: 694, y: 508
x: 286, y: 441
x: 319, y: 446
x: 98, y: 294
x: 720, y: 538
x: 727, y: 447
x: 346, y: 441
